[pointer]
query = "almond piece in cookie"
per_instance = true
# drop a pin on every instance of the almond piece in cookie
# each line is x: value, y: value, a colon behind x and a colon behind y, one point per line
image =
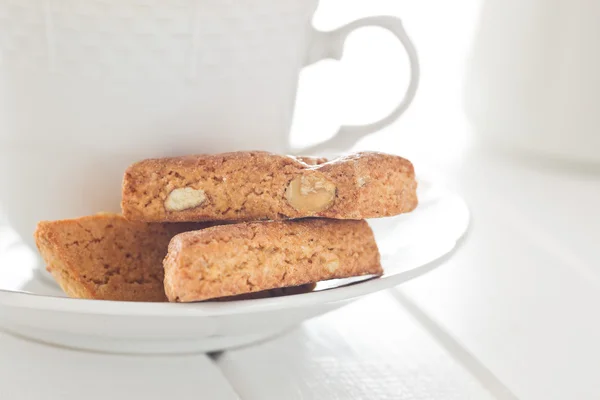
x: 310, y: 193
x: 184, y: 198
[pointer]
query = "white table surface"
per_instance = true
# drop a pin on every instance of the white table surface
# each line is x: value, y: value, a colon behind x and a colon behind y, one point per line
x: 511, y: 316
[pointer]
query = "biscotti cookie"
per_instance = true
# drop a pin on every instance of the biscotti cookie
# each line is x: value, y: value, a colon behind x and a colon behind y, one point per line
x: 235, y: 259
x: 250, y: 186
x: 107, y: 257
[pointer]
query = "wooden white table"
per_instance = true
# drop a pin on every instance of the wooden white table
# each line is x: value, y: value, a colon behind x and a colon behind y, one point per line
x: 513, y: 315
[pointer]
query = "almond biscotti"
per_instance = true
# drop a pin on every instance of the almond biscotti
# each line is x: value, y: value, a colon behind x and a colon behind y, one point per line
x: 107, y: 257
x: 250, y: 186
x: 243, y: 258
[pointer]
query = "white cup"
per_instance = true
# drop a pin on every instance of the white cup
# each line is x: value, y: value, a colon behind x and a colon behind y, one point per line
x: 532, y: 83
x: 89, y: 87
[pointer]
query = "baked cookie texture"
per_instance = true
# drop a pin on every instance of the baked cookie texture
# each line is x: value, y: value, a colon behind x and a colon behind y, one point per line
x: 250, y: 257
x: 254, y: 186
x: 107, y: 257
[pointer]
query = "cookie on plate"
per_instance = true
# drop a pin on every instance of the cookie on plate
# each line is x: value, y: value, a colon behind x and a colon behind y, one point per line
x: 250, y: 186
x: 107, y: 257
x: 230, y: 260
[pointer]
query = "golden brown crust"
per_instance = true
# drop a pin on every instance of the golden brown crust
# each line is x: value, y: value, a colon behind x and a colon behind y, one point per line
x: 250, y: 186
x: 244, y: 258
x: 107, y: 257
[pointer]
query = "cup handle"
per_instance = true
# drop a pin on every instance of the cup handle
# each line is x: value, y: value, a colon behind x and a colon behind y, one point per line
x: 330, y: 45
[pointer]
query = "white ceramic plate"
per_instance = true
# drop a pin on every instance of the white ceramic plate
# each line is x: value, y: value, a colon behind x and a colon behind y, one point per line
x: 410, y: 245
